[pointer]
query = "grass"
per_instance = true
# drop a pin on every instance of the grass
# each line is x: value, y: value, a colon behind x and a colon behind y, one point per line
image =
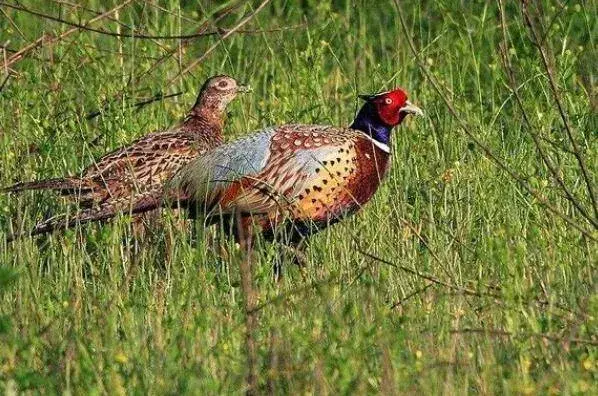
x: 480, y: 289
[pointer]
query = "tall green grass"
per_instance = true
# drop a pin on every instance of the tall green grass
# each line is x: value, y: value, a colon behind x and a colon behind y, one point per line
x: 480, y: 289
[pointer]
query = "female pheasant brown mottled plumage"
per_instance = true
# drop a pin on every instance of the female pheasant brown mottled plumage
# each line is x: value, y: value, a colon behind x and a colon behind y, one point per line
x: 131, y: 179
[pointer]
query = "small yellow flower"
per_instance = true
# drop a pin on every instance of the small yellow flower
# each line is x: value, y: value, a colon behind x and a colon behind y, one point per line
x: 418, y: 354
x: 587, y: 364
x: 120, y: 357
x: 543, y: 183
x: 448, y: 175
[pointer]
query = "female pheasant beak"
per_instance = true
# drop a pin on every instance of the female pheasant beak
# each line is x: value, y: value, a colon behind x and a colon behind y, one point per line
x: 410, y: 108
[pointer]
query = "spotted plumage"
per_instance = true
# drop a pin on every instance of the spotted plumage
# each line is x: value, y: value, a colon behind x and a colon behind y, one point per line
x: 132, y: 178
x: 301, y: 177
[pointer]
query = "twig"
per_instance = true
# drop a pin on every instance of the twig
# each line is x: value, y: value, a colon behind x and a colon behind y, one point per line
x: 411, y: 295
x: 430, y: 278
x: 156, y: 98
x: 424, y: 242
x: 298, y: 290
x: 556, y: 94
x: 4, y: 82
x: 45, y: 38
x: 93, y: 114
x: 224, y: 37
x: 556, y: 145
x: 535, y: 137
x: 487, y: 152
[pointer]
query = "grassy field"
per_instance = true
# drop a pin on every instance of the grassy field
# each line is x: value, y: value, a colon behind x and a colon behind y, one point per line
x: 471, y: 271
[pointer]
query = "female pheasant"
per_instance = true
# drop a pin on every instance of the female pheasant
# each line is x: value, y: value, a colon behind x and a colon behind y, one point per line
x: 131, y: 179
x: 294, y: 180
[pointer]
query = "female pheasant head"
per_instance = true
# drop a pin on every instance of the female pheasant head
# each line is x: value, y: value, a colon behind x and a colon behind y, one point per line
x: 215, y: 94
x: 383, y: 111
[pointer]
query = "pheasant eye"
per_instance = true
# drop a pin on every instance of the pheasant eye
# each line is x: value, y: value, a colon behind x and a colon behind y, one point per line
x: 388, y: 101
x: 222, y: 84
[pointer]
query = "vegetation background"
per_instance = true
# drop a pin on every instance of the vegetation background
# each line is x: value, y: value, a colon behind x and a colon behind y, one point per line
x: 472, y: 270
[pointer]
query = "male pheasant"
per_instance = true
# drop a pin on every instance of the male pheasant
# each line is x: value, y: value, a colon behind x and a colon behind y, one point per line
x: 131, y: 179
x: 293, y: 180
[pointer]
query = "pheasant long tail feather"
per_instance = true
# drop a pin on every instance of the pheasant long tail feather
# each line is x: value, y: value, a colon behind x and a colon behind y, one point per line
x: 103, y: 212
x: 63, y: 184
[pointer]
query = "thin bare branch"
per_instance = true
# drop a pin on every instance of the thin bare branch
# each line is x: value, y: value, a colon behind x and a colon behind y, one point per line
x: 3, y: 84
x: 429, y: 278
x: 411, y: 295
x: 139, y: 105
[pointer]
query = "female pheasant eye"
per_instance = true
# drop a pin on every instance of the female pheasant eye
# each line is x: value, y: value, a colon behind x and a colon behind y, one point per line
x: 222, y: 84
x: 388, y: 101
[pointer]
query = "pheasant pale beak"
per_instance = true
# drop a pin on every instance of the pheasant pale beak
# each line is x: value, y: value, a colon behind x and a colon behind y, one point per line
x: 410, y: 108
x: 244, y: 89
